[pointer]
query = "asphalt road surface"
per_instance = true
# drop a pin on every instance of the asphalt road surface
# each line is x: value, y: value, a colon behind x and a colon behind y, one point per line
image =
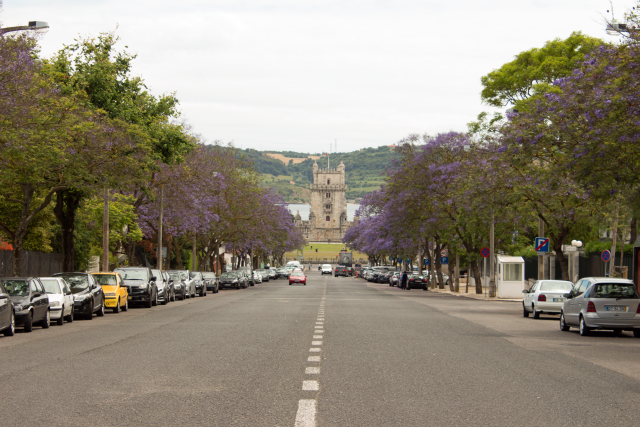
x: 336, y: 352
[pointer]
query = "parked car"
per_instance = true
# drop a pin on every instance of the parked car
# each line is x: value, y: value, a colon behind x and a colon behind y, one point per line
x: 282, y: 272
x: 393, y: 280
x: 272, y: 273
x: 248, y: 273
x: 116, y: 294
x: 88, y: 296
x: 30, y: 302
x: 298, y: 277
x: 602, y: 303
x: 210, y: 281
x: 141, y: 285
x: 163, y: 286
x: 201, y: 288
x: 385, y: 277
x: 60, y: 299
x: 545, y: 296
x: 167, y: 279
x: 416, y: 280
x: 326, y: 269
x: 232, y: 279
x: 188, y: 281
x: 179, y: 287
x: 340, y: 270
x: 265, y: 274
x: 256, y: 276
x: 351, y: 271
x: 7, y: 313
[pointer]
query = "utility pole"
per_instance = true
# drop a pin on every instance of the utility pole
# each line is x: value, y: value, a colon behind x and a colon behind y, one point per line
x: 492, y: 272
x: 540, y: 254
x: 194, y: 260
x: 105, y: 232
x: 159, y: 259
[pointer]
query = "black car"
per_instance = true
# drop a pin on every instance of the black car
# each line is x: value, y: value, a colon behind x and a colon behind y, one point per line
x: 30, y: 301
x: 88, y: 297
x: 141, y: 284
x: 179, y: 287
x: 210, y: 281
x: 340, y: 270
x: 416, y: 280
x: 232, y: 280
x: 7, y: 313
x: 385, y: 277
x: 163, y: 286
x: 201, y: 287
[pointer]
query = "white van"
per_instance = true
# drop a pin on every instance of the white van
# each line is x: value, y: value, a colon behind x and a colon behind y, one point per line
x: 294, y: 264
x: 326, y: 269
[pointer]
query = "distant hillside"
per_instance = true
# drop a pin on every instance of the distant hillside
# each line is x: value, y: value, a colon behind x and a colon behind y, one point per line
x: 363, y: 169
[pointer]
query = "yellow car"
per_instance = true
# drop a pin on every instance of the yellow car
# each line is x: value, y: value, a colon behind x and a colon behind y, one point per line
x: 116, y: 295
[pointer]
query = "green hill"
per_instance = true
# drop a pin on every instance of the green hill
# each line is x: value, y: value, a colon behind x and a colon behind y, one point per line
x: 363, y: 169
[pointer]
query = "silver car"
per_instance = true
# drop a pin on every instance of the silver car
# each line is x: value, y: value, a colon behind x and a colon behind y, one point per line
x: 602, y: 303
x: 545, y: 296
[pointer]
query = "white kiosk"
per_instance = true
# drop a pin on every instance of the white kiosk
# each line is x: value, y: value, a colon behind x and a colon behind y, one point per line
x: 510, y: 274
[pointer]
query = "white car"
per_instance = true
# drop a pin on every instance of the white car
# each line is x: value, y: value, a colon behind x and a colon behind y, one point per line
x: 257, y: 277
x: 545, y: 296
x: 295, y: 264
x: 326, y: 269
x: 60, y: 299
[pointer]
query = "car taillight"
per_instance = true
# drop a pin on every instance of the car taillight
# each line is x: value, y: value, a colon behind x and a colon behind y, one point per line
x: 638, y: 310
x: 591, y: 307
x: 542, y: 297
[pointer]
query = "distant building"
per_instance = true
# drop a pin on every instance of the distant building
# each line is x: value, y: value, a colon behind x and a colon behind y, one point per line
x: 328, y: 212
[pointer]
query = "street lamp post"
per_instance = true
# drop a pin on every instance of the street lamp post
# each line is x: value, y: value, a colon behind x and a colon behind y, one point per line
x: 33, y: 25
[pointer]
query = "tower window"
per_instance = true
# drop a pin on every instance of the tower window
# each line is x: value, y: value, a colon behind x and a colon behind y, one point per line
x: 328, y: 195
x: 328, y: 219
x: 328, y: 206
x: 328, y: 182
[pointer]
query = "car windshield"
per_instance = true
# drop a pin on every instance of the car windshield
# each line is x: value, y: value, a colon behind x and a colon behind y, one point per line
x: 326, y: 266
x: 556, y: 286
x: 51, y: 286
x: 105, y: 279
x: 174, y: 276
x: 208, y: 275
x: 77, y: 282
x: 615, y: 290
x: 197, y: 276
x: 134, y: 274
x: 297, y: 274
x: 16, y: 288
x: 228, y: 276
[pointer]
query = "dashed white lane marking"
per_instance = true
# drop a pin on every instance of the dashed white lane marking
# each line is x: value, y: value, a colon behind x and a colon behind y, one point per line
x: 313, y: 359
x: 319, y: 323
x: 316, y: 342
x: 306, y: 416
x: 319, y: 331
x: 312, y: 370
x: 314, y: 350
x: 310, y: 386
x: 317, y: 336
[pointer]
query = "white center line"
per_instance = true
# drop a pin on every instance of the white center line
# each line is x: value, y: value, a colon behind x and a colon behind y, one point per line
x: 312, y: 370
x: 317, y: 337
x: 306, y: 416
x: 313, y: 359
x: 314, y: 350
x: 310, y: 385
x: 316, y: 342
x: 319, y: 323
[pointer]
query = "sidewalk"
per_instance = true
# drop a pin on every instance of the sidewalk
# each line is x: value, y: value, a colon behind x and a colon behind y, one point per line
x: 473, y: 295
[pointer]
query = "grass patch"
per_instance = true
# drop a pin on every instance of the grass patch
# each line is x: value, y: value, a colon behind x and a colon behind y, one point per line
x: 326, y: 251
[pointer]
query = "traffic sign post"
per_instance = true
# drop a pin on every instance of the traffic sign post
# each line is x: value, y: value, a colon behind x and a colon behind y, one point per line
x: 444, y: 260
x: 605, y: 255
x: 542, y: 244
x: 485, y: 252
x: 444, y: 253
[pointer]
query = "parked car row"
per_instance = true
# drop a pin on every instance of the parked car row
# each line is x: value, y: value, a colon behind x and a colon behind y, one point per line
x: 589, y: 304
x: 37, y: 301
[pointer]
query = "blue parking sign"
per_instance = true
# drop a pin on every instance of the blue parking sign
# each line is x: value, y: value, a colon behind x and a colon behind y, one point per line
x: 542, y: 244
x: 425, y: 261
x: 444, y: 260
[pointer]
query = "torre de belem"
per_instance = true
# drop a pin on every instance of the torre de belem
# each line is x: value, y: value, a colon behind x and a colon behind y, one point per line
x: 328, y: 213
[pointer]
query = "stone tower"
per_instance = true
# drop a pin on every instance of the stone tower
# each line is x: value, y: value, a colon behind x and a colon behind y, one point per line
x: 328, y: 216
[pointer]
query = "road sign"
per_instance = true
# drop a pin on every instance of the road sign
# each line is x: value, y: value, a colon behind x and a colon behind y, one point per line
x: 390, y: 258
x: 605, y: 255
x: 444, y: 260
x: 444, y: 253
x: 542, y: 244
x: 425, y: 261
x: 485, y: 252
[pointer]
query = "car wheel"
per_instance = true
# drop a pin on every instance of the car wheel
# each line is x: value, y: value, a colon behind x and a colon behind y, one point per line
x: 201, y: 293
x: 116, y: 309
x: 126, y: 305
x: 166, y: 298
x: 155, y: 300
x: 60, y: 320
x: 89, y: 316
x: 100, y: 312
x: 525, y: 313
x: 584, y: 329
x: 11, y: 330
x: 563, y: 324
x: 28, y: 324
x: 147, y: 304
x: 536, y: 314
x: 636, y: 333
x: 70, y: 316
x: 46, y: 322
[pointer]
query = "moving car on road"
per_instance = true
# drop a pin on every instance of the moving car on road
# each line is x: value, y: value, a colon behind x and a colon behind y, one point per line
x: 602, y: 303
x: 298, y: 277
x: 88, y: 296
x: 340, y: 270
x: 116, y: 294
x: 326, y: 269
x: 7, y: 314
x: 141, y: 285
x: 545, y: 296
x: 60, y: 299
x: 30, y: 301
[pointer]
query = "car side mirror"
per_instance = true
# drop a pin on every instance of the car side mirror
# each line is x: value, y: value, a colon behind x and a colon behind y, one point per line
x: 35, y: 295
x: 153, y: 278
x: 524, y: 291
x: 170, y: 280
x: 568, y: 296
x: 94, y: 286
x: 4, y: 296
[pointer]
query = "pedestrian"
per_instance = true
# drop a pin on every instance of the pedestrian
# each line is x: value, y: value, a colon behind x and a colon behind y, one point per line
x: 403, y: 278
x: 309, y: 266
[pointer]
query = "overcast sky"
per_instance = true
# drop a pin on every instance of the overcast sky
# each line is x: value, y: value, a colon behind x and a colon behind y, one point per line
x: 297, y: 74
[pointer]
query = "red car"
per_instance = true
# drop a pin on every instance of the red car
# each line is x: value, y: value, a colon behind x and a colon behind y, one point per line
x: 297, y: 277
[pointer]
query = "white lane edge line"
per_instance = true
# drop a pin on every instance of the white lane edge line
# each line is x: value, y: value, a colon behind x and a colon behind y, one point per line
x: 306, y: 415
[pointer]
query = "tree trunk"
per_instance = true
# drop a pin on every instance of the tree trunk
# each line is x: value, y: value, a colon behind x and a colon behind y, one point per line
x: 167, y: 238
x: 178, y: 251
x: 612, y: 262
x: 564, y: 262
x: 67, y: 204
x: 634, y: 230
x: 476, y: 276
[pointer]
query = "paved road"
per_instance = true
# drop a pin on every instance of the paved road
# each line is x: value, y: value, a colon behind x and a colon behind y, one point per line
x: 337, y: 352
